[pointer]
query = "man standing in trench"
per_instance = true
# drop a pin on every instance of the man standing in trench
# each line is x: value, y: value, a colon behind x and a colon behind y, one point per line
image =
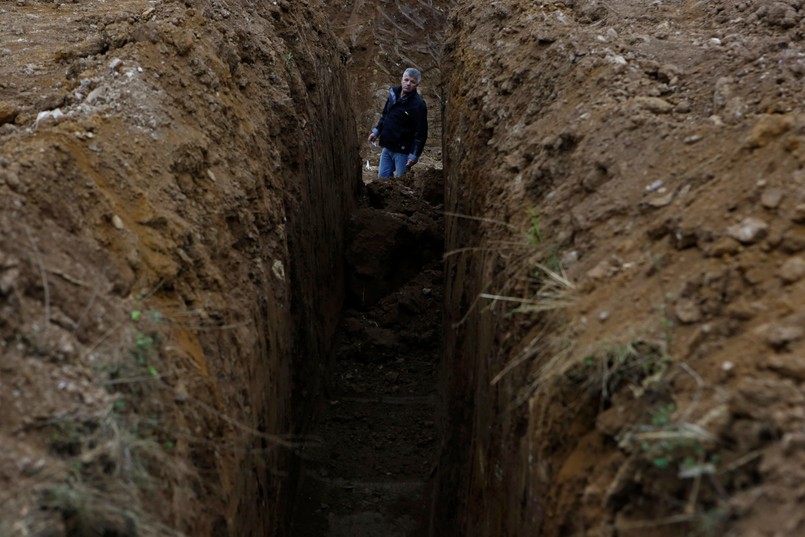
x: 403, y: 127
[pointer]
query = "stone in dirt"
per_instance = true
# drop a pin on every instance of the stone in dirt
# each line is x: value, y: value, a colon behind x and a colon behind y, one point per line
x: 8, y: 113
x: 799, y: 214
x: 687, y: 311
x: 789, y: 366
x: 780, y: 334
x: 653, y: 104
x: 749, y: 230
x: 792, y: 270
x: 771, y: 198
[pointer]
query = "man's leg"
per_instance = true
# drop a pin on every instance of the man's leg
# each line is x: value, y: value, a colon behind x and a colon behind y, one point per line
x: 385, y: 169
x: 400, y: 161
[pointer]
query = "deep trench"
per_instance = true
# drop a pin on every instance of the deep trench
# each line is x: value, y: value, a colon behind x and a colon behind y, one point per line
x: 368, y: 458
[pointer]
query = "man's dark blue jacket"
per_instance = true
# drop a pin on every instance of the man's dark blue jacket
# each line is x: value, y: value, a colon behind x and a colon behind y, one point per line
x: 403, y: 126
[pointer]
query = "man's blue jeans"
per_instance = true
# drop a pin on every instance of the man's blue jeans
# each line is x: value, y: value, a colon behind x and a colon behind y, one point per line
x: 389, y: 161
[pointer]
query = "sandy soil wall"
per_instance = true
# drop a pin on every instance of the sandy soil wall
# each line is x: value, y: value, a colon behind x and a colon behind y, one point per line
x: 170, y: 226
x: 624, y: 308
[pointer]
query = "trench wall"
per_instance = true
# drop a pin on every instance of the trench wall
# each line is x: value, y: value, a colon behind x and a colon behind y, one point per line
x: 583, y: 138
x: 206, y: 179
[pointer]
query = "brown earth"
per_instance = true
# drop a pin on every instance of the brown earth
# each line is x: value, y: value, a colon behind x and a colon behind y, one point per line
x: 170, y: 243
x: 624, y: 268
x: 624, y: 272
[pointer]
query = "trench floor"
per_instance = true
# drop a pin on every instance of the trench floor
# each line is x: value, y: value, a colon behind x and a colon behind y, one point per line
x: 372, y: 447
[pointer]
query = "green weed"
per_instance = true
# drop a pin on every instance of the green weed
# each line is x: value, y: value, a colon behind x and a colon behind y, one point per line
x: 661, y: 416
x: 534, y: 232
x: 639, y: 365
x: 670, y: 442
x: 711, y: 522
x: 146, y: 351
x: 88, y: 512
x: 68, y: 437
x: 153, y: 315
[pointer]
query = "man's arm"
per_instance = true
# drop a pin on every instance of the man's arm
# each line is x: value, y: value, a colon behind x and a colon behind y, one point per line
x: 379, y: 127
x: 421, y: 134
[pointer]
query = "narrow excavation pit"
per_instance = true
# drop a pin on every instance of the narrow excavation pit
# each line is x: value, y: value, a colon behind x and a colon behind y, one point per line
x: 624, y: 276
x: 370, y: 453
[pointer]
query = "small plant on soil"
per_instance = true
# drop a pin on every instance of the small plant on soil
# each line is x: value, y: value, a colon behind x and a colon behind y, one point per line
x: 68, y: 436
x: 116, y: 459
x: 534, y: 231
x: 673, y: 455
x: 671, y: 442
x: 554, y: 292
x: 666, y: 324
x: 639, y: 365
x: 109, y: 461
x: 553, y: 262
x: 661, y: 415
x: 86, y: 512
x: 550, y: 263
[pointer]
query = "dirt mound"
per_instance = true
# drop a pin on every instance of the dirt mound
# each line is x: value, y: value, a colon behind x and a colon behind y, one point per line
x: 626, y: 185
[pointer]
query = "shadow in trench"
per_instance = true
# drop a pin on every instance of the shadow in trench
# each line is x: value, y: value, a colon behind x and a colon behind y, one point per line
x: 367, y: 466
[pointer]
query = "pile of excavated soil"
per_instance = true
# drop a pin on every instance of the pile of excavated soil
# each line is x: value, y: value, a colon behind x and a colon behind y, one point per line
x: 625, y: 276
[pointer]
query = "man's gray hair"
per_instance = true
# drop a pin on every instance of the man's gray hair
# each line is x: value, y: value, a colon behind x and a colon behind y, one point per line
x: 413, y: 73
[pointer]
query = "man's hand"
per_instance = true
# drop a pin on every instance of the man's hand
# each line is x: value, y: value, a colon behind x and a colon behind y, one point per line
x: 410, y: 163
x: 372, y: 138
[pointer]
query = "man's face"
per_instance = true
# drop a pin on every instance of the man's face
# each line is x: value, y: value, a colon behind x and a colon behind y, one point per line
x: 409, y: 84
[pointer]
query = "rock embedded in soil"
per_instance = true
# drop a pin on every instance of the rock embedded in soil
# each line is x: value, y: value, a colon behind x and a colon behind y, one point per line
x: 793, y: 241
x: 682, y: 108
x: 723, y: 246
x: 603, y: 270
x: 686, y: 235
x: 687, y: 311
x: 799, y: 214
x: 792, y: 270
x: 771, y: 198
x: 793, y: 442
x: 780, y: 334
x: 768, y: 128
x: 779, y: 14
x: 8, y: 113
x: 8, y: 279
x: 788, y: 365
x: 749, y: 230
x: 653, y: 104
x: 661, y: 200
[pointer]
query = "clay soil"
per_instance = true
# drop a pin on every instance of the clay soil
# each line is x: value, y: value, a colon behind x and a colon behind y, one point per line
x: 625, y: 286
x: 199, y: 277
x: 172, y: 237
